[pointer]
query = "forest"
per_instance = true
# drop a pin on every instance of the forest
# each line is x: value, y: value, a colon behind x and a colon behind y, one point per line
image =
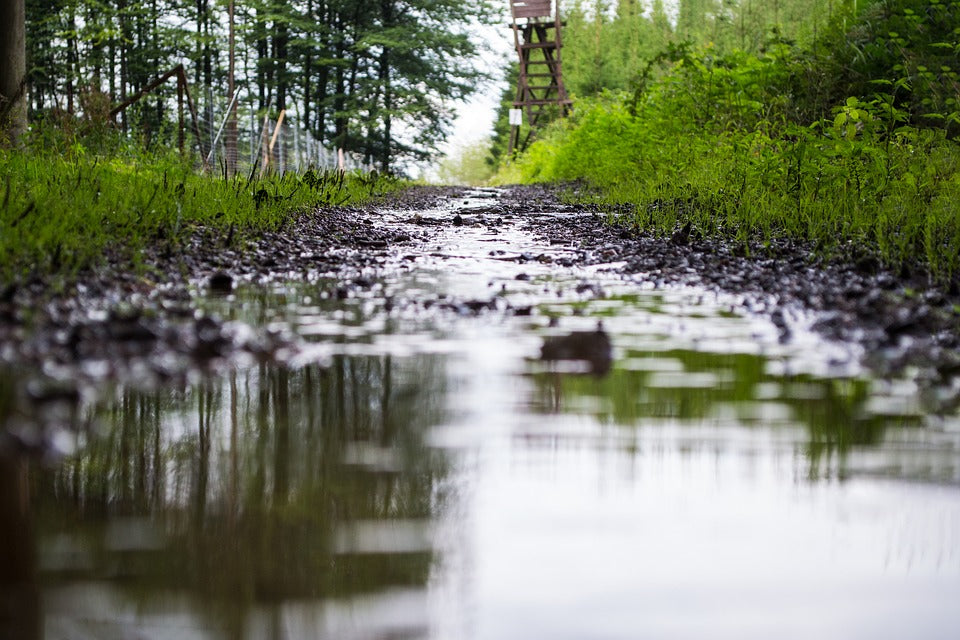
x: 685, y: 358
x: 354, y: 72
x: 376, y: 81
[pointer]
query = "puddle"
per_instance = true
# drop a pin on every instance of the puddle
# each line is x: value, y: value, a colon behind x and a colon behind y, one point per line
x: 420, y: 472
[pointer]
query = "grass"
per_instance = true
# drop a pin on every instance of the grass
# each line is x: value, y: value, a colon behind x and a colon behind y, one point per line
x: 60, y: 215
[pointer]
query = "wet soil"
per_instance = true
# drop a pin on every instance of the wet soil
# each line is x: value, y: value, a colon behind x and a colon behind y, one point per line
x: 120, y: 323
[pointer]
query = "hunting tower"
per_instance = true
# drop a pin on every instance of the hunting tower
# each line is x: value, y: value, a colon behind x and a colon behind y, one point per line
x: 540, y: 91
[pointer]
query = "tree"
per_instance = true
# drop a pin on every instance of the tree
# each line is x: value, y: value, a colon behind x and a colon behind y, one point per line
x: 13, y: 71
x: 375, y: 77
x: 416, y: 56
x: 693, y: 17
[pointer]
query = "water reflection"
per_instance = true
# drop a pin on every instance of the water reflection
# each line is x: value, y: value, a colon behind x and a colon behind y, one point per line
x: 837, y: 424
x: 19, y: 588
x: 270, y: 486
x: 446, y: 474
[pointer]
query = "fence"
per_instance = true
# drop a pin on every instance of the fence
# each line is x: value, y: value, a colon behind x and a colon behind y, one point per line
x: 264, y: 144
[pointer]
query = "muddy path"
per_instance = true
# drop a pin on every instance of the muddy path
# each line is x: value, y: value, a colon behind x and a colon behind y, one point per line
x: 439, y: 416
x: 155, y: 328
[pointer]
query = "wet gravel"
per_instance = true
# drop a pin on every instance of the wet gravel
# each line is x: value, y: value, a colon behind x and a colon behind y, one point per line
x: 121, y: 323
x: 144, y: 325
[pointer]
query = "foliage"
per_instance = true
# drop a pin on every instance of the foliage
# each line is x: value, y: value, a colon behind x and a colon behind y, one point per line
x: 909, y: 49
x: 607, y: 44
x: 467, y: 165
x: 718, y: 142
x: 60, y: 214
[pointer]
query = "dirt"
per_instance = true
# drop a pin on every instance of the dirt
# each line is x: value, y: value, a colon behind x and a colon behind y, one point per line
x: 116, y: 323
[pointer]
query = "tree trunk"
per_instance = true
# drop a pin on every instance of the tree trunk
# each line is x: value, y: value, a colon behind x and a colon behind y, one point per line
x: 112, y: 66
x: 387, y: 108
x: 157, y: 59
x: 230, y: 139
x: 340, y: 91
x: 13, y: 72
x: 388, y: 10
x: 124, y: 58
x: 95, y: 56
x: 198, y: 52
x: 262, y: 62
x: 307, y: 71
x: 280, y: 37
x: 72, y: 72
x: 320, y: 119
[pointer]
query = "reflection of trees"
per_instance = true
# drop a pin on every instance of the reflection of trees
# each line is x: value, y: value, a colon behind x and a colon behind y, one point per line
x: 832, y: 411
x: 19, y: 592
x: 250, y: 478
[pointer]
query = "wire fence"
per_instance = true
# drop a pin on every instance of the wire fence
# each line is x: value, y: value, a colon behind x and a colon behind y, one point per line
x: 263, y: 144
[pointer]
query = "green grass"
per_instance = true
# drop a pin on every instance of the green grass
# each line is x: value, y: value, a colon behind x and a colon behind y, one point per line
x: 60, y: 215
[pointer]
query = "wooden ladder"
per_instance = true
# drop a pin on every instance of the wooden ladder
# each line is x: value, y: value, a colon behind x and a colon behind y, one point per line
x: 540, y: 91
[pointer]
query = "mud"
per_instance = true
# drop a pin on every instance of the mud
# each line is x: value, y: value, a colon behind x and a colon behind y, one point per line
x: 120, y: 323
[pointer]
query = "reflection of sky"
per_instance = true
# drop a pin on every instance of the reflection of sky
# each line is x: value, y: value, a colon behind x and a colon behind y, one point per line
x: 578, y: 528
x: 601, y: 543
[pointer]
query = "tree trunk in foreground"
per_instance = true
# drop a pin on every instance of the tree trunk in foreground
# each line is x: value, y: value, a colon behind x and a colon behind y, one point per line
x: 13, y: 71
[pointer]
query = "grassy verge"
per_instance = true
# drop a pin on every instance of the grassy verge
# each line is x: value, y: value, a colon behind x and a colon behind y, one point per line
x: 59, y: 216
x: 726, y: 144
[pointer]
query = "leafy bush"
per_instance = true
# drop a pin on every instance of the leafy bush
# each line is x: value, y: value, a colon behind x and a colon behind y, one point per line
x: 910, y: 45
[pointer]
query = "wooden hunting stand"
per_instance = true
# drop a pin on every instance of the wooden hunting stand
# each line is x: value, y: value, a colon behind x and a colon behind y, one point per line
x: 536, y: 37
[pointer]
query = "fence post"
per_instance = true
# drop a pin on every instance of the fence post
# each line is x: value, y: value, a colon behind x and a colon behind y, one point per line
x: 276, y: 132
x: 296, y: 149
x: 216, y: 139
x: 264, y: 143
